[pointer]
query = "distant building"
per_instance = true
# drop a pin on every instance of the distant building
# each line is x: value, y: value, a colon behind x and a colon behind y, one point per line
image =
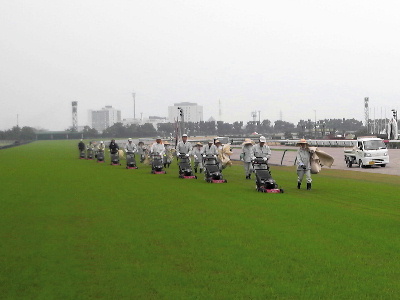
x: 191, y: 112
x: 104, y: 118
x: 154, y: 120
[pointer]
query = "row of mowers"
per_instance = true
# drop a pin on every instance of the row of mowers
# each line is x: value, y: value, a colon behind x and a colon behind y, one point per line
x: 212, y: 172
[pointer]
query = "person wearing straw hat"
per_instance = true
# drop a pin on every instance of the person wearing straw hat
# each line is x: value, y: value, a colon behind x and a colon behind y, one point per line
x: 141, y: 150
x: 246, y: 155
x: 184, y: 147
x: 261, y: 150
x: 220, y: 154
x: 167, y: 158
x: 197, y: 155
x: 303, y: 160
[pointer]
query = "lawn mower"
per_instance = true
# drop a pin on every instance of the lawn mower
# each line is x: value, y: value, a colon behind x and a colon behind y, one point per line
x: 185, y: 169
x: 130, y: 161
x: 157, y: 164
x: 264, y: 181
x: 212, y: 172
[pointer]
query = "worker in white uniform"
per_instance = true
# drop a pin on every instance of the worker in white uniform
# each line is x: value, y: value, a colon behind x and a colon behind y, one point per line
x: 198, y: 157
x: 157, y: 147
x: 184, y: 147
x: 246, y: 157
x: 261, y: 150
x: 303, y: 161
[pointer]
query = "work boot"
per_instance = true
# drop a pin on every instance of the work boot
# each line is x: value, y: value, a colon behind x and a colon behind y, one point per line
x: 309, y: 186
x: 299, y: 185
x: 249, y: 176
x: 201, y: 170
x: 195, y: 170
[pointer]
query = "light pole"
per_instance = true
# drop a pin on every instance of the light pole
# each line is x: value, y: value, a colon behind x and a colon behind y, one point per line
x: 315, y: 124
x: 182, y: 119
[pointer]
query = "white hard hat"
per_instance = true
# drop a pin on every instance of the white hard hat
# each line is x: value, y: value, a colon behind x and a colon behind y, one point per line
x: 101, y: 142
x: 184, y: 135
x: 263, y: 139
x: 129, y: 139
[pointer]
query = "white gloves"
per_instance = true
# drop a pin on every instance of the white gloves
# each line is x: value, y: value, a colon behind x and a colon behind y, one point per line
x: 265, y: 158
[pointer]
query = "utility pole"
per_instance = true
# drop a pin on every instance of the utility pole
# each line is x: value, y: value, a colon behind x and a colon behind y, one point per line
x: 134, y: 105
x: 366, y: 113
x: 315, y: 123
x: 75, y: 115
x: 182, y: 119
x: 220, y: 110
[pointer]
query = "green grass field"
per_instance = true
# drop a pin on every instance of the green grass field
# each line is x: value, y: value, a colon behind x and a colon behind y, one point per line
x: 76, y: 229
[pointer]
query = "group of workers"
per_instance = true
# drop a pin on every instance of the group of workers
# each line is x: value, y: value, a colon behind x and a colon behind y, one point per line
x: 249, y: 152
x: 183, y: 147
x: 303, y: 158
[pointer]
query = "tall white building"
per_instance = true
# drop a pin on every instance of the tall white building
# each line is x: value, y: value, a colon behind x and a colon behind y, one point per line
x: 104, y: 118
x: 191, y: 112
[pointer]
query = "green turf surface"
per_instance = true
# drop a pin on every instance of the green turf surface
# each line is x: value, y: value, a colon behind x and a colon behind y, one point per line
x: 76, y: 229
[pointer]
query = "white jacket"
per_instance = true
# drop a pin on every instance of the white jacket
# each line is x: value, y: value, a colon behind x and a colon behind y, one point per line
x: 184, y: 148
x: 303, y: 158
x: 247, y: 151
x: 210, y: 149
x: 157, y: 148
x: 258, y: 151
x: 130, y: 147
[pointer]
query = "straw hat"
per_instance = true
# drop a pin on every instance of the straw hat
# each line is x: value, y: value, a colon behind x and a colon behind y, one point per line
x: 247, y: 142
x: 166, y: 143
x: 199, y: 144
x: 302, y: 141
x: 217, y: 141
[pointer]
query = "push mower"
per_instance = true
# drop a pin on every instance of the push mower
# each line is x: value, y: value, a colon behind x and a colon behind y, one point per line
x: 212, y: 172
x: 115, y: 159
x: 185, y: 169
x: 264, y: 181
x: 157, y: 164
x: 130, y: 161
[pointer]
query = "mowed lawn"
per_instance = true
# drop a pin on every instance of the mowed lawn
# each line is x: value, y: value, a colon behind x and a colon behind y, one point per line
x: 76, y: 229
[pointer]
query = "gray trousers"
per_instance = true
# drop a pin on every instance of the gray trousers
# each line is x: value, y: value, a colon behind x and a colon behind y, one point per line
x: 198, y: 164
x: 248, y: 168
x: 300, y: 175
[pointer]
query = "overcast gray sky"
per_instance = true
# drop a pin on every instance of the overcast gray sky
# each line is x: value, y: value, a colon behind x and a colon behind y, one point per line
x: 283, y: 56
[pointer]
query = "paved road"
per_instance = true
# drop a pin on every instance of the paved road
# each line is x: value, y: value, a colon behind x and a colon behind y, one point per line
x: 393, y: 168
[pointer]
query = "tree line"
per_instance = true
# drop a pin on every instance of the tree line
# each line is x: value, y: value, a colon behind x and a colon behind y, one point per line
x: 304, y: 128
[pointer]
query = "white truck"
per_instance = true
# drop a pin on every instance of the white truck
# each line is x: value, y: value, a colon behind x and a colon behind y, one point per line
x: 368, y: 151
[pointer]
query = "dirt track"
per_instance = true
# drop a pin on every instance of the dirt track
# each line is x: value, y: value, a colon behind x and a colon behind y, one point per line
x: 393, y: 168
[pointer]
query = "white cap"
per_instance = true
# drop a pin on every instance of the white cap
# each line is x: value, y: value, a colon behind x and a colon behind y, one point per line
x: 263, y: 139
x: 184, y: 135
